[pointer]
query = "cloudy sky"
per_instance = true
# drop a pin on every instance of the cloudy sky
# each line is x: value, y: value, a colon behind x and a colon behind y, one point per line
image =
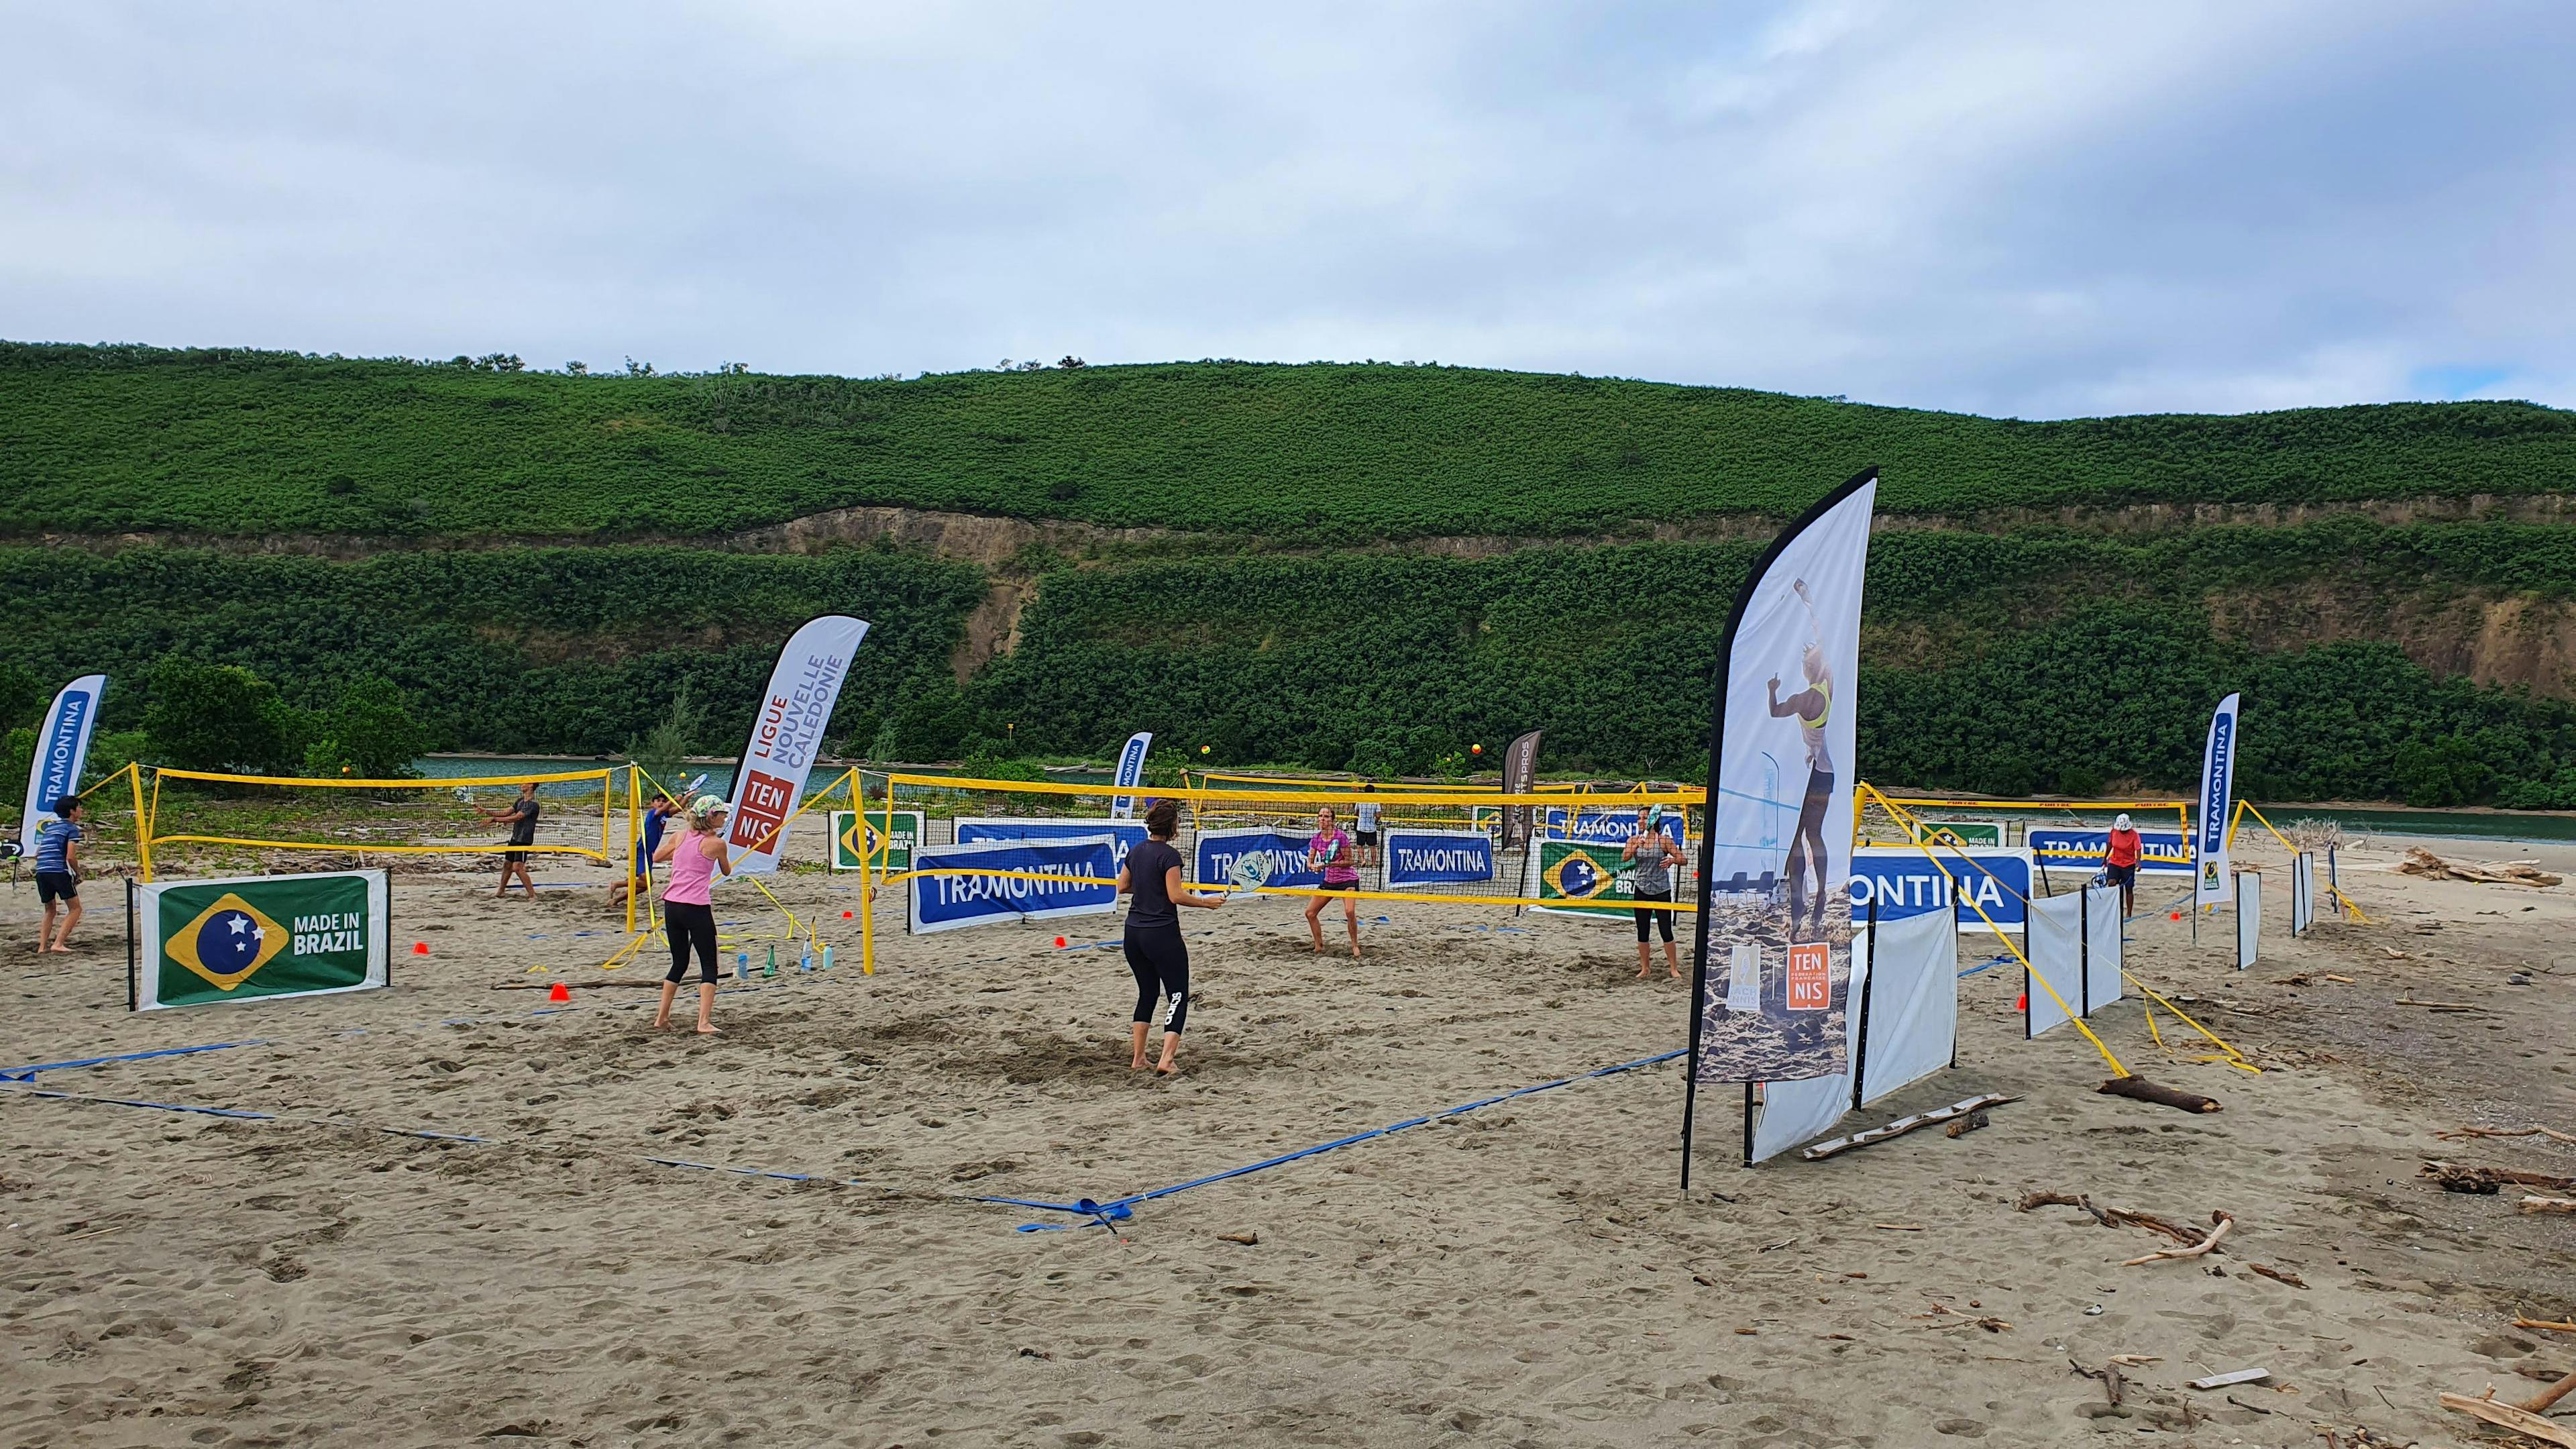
x: 2039, y: 209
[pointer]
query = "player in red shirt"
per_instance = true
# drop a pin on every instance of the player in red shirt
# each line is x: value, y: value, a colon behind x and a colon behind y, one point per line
x: 2120, y: 862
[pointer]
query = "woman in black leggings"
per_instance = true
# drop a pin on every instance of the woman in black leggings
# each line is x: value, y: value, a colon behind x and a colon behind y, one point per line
x: 1155, y: 955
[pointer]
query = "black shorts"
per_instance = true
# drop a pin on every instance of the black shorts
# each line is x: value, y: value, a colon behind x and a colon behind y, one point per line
x: 2120, y: 875
x: 1367, y: 837
x: 1649, y: 920
x: 1339, y: 885
x: 56, y: 885
x: 510, y: 858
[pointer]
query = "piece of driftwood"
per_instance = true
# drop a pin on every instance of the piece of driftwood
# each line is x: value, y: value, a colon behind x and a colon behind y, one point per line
x: 1902, y: 1125
x: 2539, y: 1403
x: 2552, y: 1133
x: 2422, y: 862
x: 2550, y: 1325
x: 2443, y: 1006
x: 2140, y: 1089
x: 2460, y: 1177
x: 2277, y: 1276
x: 1965, y: 1125
x: 2535, y: 1204
x: 2506, y: 1416
x: 2223, y: 1220
x: 2113, y: 1386
x: 2189, y: 1237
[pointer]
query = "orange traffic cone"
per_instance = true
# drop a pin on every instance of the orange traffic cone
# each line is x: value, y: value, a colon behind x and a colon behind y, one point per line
x: 420, y: 948
x: 2022, y: 1002
x: 559, y: 992
x: 1059, y: 943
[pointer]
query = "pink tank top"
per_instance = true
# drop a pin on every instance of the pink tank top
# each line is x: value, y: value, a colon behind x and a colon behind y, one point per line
x: 692, y: 873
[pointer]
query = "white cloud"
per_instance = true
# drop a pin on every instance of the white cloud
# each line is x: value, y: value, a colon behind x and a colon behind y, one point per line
x: 2029, y: 207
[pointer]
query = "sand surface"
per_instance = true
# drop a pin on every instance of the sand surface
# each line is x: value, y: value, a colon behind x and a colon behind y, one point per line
x: 1522, y: 1274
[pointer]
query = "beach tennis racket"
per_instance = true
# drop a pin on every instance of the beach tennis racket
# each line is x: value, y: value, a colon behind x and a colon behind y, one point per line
x: 1250, y: 872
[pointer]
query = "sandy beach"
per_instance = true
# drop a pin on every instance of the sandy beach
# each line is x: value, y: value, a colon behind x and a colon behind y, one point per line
x: 1526, y: 1273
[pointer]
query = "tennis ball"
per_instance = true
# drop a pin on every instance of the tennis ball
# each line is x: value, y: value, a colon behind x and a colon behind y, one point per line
x: 1475, y: 749
x: 1203, y: 749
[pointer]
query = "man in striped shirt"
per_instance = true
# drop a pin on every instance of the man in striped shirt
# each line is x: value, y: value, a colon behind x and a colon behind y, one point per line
x: 58, y: 874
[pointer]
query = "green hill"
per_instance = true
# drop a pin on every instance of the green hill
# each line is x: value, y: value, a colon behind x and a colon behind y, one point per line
x: 246, y: 443
x: 540, y: 561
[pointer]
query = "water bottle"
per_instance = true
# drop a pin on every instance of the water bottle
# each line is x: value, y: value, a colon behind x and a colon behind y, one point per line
x: 742, y: 965
x: 805, y: 961
x: 773, y: 963
x: 827, y: 958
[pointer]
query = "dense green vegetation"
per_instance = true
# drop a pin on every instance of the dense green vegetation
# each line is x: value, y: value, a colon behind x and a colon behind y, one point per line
x: 248, y: 443
x: 2037, y: 661
x: 571, y: 650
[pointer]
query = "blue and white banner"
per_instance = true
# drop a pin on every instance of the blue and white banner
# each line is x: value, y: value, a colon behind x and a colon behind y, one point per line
x: 1438, y: 857
x: 1218, y: 850
x: 949, y: 902
x: 2160, y: 852
x: 1904, y: 881
x: 1608, y: 827
x: 62, y: 749
x: 2217, y: 802
x: 1126, y: 834
x: 1131, y: 772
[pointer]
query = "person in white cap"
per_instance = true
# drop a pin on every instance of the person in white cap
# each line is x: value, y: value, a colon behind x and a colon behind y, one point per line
x: 2120, y: 862
x: 697, y: 856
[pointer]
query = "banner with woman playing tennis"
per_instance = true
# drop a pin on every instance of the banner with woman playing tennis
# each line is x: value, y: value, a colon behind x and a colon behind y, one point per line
x: 1774, y: 927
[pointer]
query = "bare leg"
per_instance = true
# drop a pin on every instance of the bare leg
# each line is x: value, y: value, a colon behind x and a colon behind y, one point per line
x: 1315, y: 922
x: 71, y: 918
x: 1672, y: 961
x: 706, y: 1008
x: 45, y: 933
x: 1642, y: 959
x: 1351, y: 918
x: 662, y: 1018
x: 1171, y: 1053
x: 1136, y: 1045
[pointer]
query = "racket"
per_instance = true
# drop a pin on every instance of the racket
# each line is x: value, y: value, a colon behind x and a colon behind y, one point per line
x: 1249, y: 873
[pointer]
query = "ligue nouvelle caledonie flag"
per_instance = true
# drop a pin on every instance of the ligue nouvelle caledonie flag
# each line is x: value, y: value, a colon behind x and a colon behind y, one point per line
x: 786, y: 735
x: 1775, y: 860
x: 62, y: 750
x: 1131, y: 772
x: 2212, y: 882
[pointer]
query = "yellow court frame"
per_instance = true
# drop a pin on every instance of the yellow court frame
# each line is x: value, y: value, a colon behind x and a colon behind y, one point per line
x: 147, y: 817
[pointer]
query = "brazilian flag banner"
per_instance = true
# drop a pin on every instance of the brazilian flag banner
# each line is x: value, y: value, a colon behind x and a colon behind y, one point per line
x: 854, y: 836
x: 199, y: 941
x: 1586, y: 871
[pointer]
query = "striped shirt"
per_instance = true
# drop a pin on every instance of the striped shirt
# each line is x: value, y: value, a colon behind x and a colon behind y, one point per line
x: 53, y: 846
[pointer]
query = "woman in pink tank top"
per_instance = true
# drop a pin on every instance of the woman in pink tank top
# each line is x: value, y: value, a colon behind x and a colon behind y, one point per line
x: 688, y: 906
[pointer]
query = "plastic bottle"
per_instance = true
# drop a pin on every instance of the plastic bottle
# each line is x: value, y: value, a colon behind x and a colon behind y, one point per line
x: 805, y: 960
x: 773, y: 963
x: 827, y: 958
x: 742, y: 965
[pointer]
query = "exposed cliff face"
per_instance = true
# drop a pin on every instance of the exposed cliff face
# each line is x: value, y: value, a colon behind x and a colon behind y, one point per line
x: 2513, y: 641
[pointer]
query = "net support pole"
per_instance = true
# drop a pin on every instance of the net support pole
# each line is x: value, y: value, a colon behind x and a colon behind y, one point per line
x: 634, y: 793
x: 1860, y: 1026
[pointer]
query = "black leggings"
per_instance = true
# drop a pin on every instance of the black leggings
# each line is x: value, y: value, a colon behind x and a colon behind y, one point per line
x: 1649, y: 920
x: 687, y: 925
x: 1161, y: 966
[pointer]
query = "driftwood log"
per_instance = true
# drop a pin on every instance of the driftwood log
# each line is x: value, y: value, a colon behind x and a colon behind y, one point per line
x: 2223, y: 1221
x: 1903, y: 1125
x: 2535, y: 1204
x: 2460, y: 1177
x: 2521, y: 1421
x: 2140, y: 1089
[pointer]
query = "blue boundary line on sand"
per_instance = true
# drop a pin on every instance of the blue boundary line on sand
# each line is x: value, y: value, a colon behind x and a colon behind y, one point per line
x: 28, y: 1073
x: 1120, y: 1208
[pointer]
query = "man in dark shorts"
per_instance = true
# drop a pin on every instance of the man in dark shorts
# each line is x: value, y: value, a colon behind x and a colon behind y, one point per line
x: 522, y: 815
x: 2120, y: 863
x: 1366, y: 827
x: 58, y: 874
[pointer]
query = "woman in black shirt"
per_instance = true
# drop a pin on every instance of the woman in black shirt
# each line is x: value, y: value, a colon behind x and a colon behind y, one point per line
x: 1155, y: 955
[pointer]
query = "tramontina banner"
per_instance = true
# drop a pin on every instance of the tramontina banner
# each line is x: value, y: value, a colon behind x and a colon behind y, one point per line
x: 1774, y: 938
x: 244, y: 937
x: 851, y: 841
x: 2211, y: 885
x: 62, y: 748
x: 1131, y: 772
x: 786, y: 735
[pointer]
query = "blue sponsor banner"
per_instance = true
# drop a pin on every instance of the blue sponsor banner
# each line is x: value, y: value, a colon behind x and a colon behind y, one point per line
x: 948, y: 902
x: 1128, y: 834
x: 1438, y: 857
x: 1608, y: 827
x: 62, y: 747
x: 1131, y: 772
x: 1905, y: 882
x: 2160, y: 851
x: 1218, y: 850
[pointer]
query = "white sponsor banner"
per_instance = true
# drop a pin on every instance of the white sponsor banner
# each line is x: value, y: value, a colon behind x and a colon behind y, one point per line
x: 786, y: 735
x: 1131, y: 772
x: 62, y: 750
x: 2212, y: 885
